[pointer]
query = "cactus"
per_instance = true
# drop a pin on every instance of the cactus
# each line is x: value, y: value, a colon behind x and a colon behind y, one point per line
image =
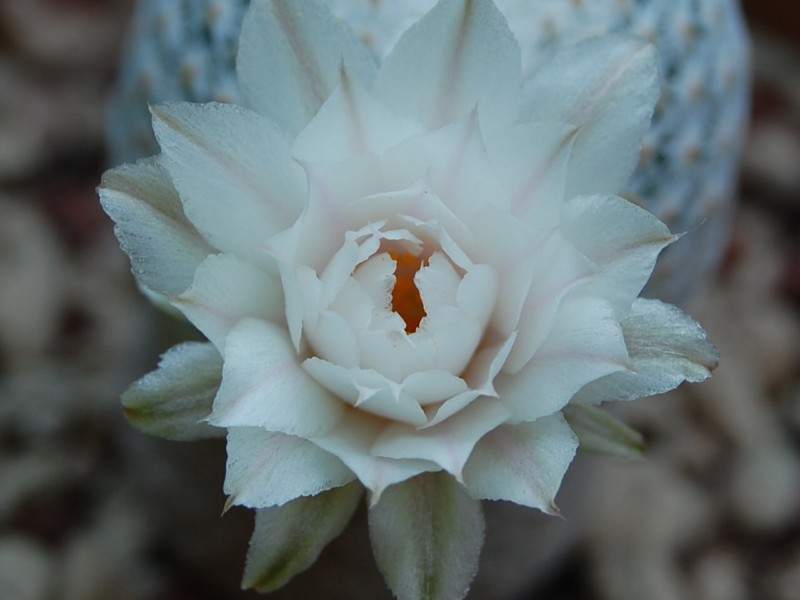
x: 186, y: 49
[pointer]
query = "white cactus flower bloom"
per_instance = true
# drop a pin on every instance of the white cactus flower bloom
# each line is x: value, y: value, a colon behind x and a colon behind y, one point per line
x: 406, y: 274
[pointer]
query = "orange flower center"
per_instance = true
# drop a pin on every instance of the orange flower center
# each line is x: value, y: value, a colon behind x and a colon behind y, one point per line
x: 406, y: 300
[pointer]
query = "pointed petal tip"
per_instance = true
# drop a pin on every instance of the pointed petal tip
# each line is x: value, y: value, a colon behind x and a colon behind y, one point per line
x: 230, y: 501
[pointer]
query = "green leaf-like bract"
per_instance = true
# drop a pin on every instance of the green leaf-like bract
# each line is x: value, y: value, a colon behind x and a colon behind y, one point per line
x: 288, y: 539
x: 600, y: 432
x: 426, y: 536
x: 172, y: 401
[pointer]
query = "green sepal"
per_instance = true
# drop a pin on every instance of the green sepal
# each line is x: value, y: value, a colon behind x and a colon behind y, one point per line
x: 426, y: 536
x: 600, y: 432
x: 288, y: 539
x: 173, y: 401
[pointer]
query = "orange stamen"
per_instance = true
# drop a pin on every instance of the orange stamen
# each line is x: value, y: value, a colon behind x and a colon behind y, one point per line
x: 406, y: 299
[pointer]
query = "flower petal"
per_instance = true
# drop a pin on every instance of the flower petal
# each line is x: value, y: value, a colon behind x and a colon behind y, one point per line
x: 449, y: 443
x: 621, y: 239
x: 460, y: 55
x: 352, y: 441
x: 289, y: 57
x: 351, y: 122
x: 585, y: 343
x: 288, y: 539
x: 233, y: 171
x: 270, y: 469
x: 227, y: 290
x: 608, y: 86
x: 173, y: 401
x: 458, y: 167
x: 264, y: 386
x: 666, y: 347
x: 522, y: 463
x: 557, y: 270
x: 531, y: 160
x: 164, y: 247
x: 426, y: 536
x: 600, y: 432
x: 368, y: 390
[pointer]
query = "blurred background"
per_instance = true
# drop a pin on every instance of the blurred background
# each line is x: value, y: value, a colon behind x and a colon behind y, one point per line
x: 91, y: 509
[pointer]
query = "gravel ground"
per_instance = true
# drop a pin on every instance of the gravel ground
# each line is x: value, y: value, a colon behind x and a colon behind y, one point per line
x: 91, y: 509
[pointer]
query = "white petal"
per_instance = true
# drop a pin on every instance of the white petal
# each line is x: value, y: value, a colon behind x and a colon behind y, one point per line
x: 447, y: 344
x: 449, y: 443
x: 352, y: 441
x: 431, y: 386
x: 164, y: 247
x: 426, y: 536
x: 263, y: 385
x: 531, y: 161
x: 511, y: 248
x: 622, y: 239
x: 607, y: 86
x: 480, y: 374
x: 666, y: 348
x: 351, y: 122
x: 227, y: 290
x: 233, y: 172
x: 458, y: 166
x: 333, y: 340
x: 584, y: 344
x: 522, y: 463
x: 173, y: 401
x: 420, y: 206
x: 558, y: 269
x: 367, y: 389
x: 288, y: 539
x: 270, y: 469
x: 460, y: 55
x: 289, y: 56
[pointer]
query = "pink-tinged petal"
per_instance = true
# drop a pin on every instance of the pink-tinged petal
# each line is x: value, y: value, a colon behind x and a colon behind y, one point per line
x: 233, y: 172
x: 263, y: 385
x: 164, y: 247
x: 351, y: 122
x: 226, y: 290
x: 531, y: 161
x: 173, y: 401
x: 289, y: 57
x: 622, y: 239
x: 447, y: 444
x: 522, y: 463
x: 270, y: 469
x: 460, y: 55
x: 558, y: 270
x: 368, y: 390
x: 584, y: 344
x: 426, y: 536
x: 607, y: 86
x: 288, y: 539
x: 352, y: 441
x: 666, y: 348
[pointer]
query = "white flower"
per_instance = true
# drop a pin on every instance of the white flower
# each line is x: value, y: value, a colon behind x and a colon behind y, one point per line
x: 405, y: 278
